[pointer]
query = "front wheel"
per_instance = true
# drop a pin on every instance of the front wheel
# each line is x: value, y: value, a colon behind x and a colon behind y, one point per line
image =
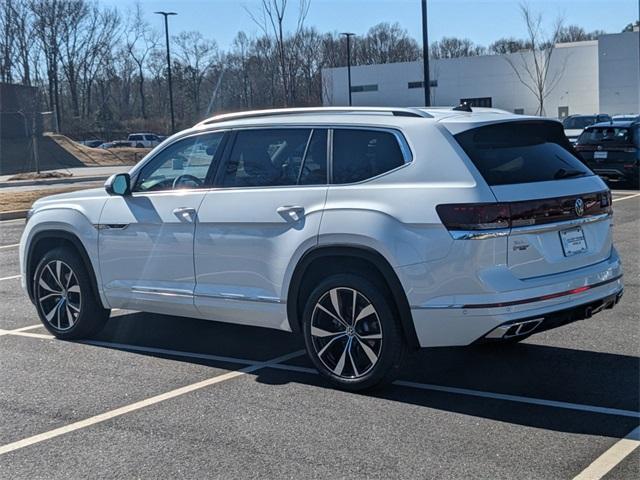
x: 351, y: 334
x: 64, y: 298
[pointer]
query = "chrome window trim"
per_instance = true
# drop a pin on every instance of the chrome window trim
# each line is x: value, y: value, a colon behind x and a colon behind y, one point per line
x: 526, y: 230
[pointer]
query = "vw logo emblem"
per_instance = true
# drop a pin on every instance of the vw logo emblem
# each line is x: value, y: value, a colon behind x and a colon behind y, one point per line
x: 579, y: 207
x: 599, y: 147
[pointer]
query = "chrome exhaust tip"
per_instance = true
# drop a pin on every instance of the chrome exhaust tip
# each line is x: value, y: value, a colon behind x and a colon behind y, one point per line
x: 516, y: 329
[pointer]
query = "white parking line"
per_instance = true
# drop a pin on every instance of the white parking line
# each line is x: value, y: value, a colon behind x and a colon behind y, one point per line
x: 627, y: 197
x: 10, y: 278
x: 10, y: 447
x: 402, y: 383
x: 18, y: 330
x: 9, y: 246
x: 612, y: 457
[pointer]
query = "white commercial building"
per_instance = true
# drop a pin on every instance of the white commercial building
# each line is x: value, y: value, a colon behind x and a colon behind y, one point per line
x: 598, y: 76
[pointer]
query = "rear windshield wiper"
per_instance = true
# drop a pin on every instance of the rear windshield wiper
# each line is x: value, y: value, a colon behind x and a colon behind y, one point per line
x: 562, y: 173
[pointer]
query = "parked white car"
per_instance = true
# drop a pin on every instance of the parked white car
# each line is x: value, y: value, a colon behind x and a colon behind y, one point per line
x: 143, y: 140
x: 369, y: 230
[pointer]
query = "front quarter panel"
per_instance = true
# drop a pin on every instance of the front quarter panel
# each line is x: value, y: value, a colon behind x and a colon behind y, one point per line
x: 78, y: 218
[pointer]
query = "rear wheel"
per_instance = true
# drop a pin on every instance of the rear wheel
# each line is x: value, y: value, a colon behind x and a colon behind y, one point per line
x: 351, y: 334
x: 64, y: 298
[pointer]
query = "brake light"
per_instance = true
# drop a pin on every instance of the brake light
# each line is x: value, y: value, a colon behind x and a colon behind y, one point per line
x: 492, y: 216
x: 481, y: 216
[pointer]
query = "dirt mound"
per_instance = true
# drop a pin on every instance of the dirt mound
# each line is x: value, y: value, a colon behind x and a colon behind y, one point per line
x: 100, y: 156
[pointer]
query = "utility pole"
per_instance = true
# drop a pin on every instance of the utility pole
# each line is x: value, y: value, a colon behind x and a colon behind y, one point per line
x: 348, y: 35
x: 166, y: 34
x: 425, y: 56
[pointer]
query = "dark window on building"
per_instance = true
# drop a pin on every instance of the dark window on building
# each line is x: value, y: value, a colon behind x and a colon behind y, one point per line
x: 273, y: 157
x: 518, y: 111
x: 420, y: 84
x: 362, y: 154
x: 364, y: 88
x: 521, y: 152
x: 563, y: 112
x: 477, y: 102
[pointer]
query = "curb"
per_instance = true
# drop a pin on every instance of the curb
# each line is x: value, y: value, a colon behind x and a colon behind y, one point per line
x: 52, y: 181
x: 13, y: 214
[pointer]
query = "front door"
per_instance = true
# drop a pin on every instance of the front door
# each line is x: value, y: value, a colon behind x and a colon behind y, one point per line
x: 146, y: 239
x: 263, y: 215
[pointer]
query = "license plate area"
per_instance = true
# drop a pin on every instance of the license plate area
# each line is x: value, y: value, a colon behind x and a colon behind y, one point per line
x: 600, y: 155
x: 573, y: 241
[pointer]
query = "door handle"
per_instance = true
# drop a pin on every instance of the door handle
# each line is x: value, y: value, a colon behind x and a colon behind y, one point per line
x: 294, y: 212
x: 186, y: 214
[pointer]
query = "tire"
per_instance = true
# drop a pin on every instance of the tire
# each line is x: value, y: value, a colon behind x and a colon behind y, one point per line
x: 139, y: 145
x: 64, y: 298
x: 358, y: 357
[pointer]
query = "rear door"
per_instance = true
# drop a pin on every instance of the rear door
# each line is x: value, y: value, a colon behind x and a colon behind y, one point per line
x: 263, y: 214
x: 559, y: 208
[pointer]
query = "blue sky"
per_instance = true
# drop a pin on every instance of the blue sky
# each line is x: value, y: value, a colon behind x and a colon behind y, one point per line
x: 482, y: 21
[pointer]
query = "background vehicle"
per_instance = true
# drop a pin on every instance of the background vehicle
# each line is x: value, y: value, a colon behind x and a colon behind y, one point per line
x: 117, y: 144
x: 92, y: 143
x: 612, y: 150
x: 575, y: 124
x: 626, y: 118
x: 368, y: 230
x: 143, y: 140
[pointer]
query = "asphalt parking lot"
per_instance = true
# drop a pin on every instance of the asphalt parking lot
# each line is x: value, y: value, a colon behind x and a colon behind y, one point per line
x: 156, y: 396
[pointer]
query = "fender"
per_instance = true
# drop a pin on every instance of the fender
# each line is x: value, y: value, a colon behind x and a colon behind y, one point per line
x: 369, y: 255
x: 62, y: 235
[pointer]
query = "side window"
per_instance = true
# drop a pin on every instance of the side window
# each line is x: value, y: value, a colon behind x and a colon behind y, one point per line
x: 183, y: 164
x: 269, y: 157
x: 362, y: 154
x: 134, y: 138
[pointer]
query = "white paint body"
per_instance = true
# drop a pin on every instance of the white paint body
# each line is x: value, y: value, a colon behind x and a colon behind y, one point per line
x: 234, y: 260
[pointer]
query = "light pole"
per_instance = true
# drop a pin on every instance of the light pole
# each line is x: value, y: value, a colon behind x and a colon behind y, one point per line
x: 166, y: 34
x: 349, y: 35
x: 425, y: 56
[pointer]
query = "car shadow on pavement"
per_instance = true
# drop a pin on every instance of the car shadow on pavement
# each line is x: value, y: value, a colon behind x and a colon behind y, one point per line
x: 528, y: 370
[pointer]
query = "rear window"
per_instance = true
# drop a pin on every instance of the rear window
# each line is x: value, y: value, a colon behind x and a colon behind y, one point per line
x: 578, y: 123
x: 608, y: 136
x: 135, y: 137
x: 521, y: 152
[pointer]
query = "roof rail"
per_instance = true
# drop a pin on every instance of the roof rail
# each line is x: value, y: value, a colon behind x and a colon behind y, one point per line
x: 398, y: 112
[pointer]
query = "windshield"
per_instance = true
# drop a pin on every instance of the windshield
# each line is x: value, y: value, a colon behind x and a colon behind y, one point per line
x: 521, y: 152
x: 578, y: 123
x: 608, y: 135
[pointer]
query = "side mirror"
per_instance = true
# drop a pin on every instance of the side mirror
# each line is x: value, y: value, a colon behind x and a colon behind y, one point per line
x: 118, y: 184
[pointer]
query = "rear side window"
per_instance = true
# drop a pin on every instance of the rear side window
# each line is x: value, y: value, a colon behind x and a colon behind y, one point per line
x: 606, y: 136
x: 521, y: 152
x: 135, y: 137
x: 362, y: 154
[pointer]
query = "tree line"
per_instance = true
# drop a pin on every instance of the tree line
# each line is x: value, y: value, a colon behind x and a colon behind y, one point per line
x: 101, y: 69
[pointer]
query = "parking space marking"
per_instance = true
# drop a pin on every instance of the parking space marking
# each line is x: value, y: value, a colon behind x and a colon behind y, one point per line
x: 10, y: 278
x: 627, y: 197
x: 612, y: 457
x: 521, y: 399
x: 9, y: 246
x: 19, y: 330
x: 402, y: 383
x: 10, y: 447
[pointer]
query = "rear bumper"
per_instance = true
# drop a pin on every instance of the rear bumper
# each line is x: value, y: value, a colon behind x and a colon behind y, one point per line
x: 557, y: 299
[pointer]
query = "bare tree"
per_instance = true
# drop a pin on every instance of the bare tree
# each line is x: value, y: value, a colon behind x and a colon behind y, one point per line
x: 196, y: 56
x: 503, y: 46
x: 140, y: 41
x: 270, y: 19
x: 386, y: 43
x: 532, y: 65
x: 452, y: 47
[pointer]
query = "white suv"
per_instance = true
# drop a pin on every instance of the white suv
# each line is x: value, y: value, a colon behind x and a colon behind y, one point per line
x: 369, y: 230
x: 143, y: 140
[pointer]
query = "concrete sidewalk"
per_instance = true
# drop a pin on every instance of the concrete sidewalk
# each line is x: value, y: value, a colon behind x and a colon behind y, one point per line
x: 78, y: 175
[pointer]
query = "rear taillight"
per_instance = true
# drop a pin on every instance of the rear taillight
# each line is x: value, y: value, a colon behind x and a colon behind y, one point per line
x: 482, y: 216
x: 492, y: 216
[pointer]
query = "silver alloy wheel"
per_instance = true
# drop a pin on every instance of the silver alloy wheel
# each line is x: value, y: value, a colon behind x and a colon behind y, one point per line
x: 346, y: 332
x: 58, y: 294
